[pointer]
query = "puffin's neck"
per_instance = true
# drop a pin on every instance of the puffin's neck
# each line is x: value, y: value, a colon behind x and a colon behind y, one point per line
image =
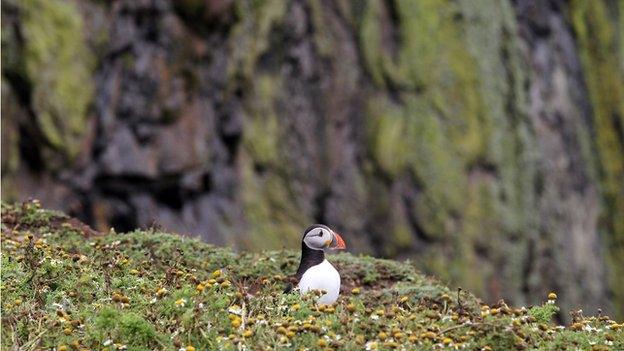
x: 309, y: 258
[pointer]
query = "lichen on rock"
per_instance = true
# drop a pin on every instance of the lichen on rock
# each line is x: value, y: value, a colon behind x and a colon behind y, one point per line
x: 59, y: 67
x: 599, y: 40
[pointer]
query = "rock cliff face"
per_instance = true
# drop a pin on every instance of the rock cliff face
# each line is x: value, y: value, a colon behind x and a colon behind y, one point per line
x: 483, y: 139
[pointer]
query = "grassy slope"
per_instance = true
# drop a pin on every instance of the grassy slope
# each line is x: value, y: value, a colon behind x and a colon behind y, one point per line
x: 65, y: 286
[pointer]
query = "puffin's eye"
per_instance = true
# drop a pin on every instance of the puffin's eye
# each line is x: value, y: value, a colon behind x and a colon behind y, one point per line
x: 320, y: 233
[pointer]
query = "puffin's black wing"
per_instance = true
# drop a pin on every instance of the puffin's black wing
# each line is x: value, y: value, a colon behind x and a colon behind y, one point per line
x: 309, y: 258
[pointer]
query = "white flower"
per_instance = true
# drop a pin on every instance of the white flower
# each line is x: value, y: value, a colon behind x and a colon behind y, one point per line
x: 235, y: 310
x: 371, y: 345
x: 107, y: 342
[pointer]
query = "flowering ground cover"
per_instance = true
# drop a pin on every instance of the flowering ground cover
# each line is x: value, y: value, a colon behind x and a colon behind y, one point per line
x: 67, y: 287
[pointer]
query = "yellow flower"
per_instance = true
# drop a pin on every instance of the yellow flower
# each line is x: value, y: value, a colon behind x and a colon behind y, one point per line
x: 552, y: 296
x: 216, y: 273
x: 190, y: 348
x: 429, y: 335
x: 321, y: 343
x: 355, y: 291
x: 248, y: 333
x: 180, y: 302
x: 116, y: 297
x: 392, y: 344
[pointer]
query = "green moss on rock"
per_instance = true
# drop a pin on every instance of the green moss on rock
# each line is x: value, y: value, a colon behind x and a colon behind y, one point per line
x: 272, y: 216
x: 598, y: 41
x: 59, y: 66
x: 457, y: 109
x: 261, y: 130
x: 250, y: 35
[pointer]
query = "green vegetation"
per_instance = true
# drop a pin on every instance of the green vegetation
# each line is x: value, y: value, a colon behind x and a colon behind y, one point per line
x: 65, y: 286
x: 598, y: 41
x: 456, y: 124
x: 59, y: 66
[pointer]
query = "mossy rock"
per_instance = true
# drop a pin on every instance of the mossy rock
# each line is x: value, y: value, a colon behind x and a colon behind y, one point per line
x: 58, y: 66
x: 598, y: 38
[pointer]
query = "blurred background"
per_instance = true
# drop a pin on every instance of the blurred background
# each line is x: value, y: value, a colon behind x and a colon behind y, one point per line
x: 481, y: 139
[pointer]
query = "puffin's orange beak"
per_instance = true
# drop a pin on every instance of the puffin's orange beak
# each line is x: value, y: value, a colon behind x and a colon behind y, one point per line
x: 338, y: 243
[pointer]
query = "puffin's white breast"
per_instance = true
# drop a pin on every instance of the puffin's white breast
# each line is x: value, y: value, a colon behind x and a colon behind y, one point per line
x: 323, y: 276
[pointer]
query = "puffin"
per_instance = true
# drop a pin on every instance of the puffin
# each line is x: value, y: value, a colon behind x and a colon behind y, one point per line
x: 315, y: 272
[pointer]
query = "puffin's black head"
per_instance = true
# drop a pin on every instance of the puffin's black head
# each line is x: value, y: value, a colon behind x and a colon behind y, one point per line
x: 320, y: 237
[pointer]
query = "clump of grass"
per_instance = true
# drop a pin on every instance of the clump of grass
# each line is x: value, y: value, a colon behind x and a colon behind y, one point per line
x: 544, y: 313
x: 64, y: 287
